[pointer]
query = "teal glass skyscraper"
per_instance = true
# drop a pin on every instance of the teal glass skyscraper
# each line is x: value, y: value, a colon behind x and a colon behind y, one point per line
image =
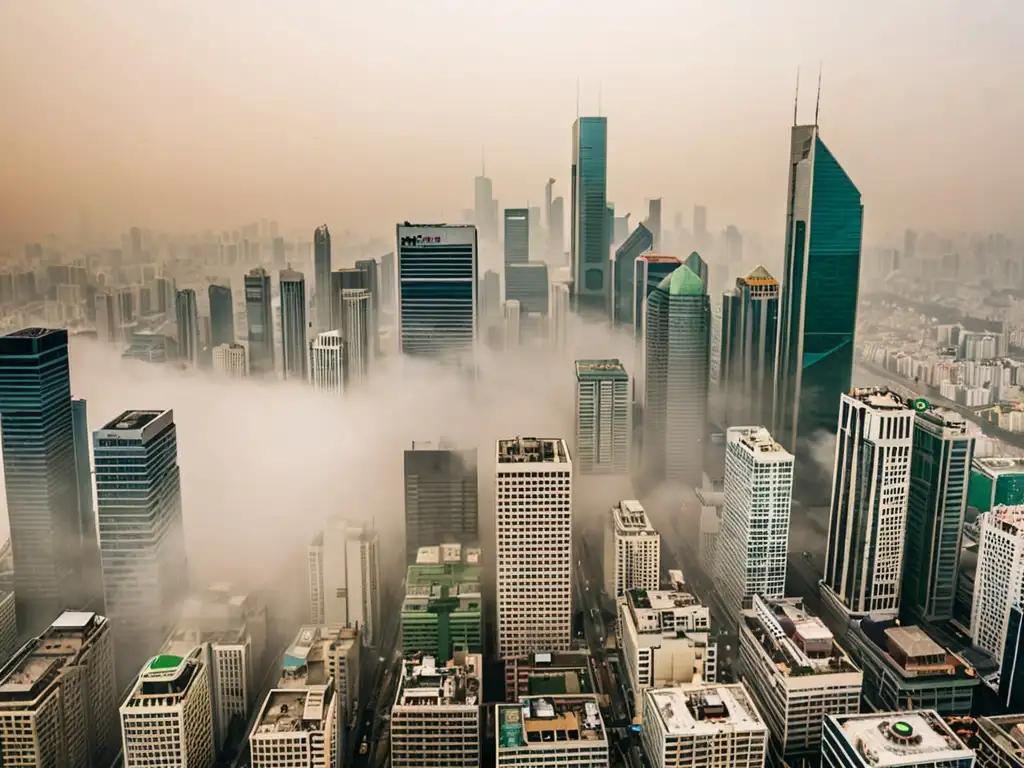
x: 639, y: 241
x: 818, y: 305
x: 746, y: 372
x: 589, y: 246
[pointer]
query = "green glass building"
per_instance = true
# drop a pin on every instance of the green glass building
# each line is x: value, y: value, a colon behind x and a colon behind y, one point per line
x: 996, y: 481
x: 639, y: 241
x: 589, y: 238
x: 443, y: 610
x: 818, y: 306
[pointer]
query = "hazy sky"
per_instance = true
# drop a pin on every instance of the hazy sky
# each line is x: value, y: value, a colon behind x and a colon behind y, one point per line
x: 192, y: 113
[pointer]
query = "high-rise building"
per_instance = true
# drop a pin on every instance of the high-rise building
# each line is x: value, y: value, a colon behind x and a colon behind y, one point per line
x: 632, y: 550
x: 556, y: 229
x: 442, y: 611
x: 371, y: 281
x: 639, y: 241
x: 649, y: 270
x: 40, y: 477
x: 533, y: 511
x: 699, y: 268
x: 653, y: 221
x: 260, y: 321
x: 491, y: 317
x: 229, y: 361
x: 435, y: 718
x: 356, y: 317
x: 528, y: 284
x: 163, y: 294
x: 917, y: 739
x: 8, y: 618
x: 604, y: 424
x: 142, y: 541
x: 999, y: 578
x: 387, y: 280
x: 441, y: 496
x: 91, y: 574
x: 700, y: 225
x: 558, y: 316
x: 187, y: 313
x: 566, y: 731
x: 939, y: 473
x: 998, y: 741
x: 328, y: 364
x: 344, y: 578
x: 818, y: 304
x: 222, y: 315
x: 796, y: 673
x: 996, y: 480
x: 754, y: 541
x: 513, y: 323
x: 58, y: 703
x: 437, y: 274
x: 167, y: 718
x: 297, y: 726
x: 326, y: 656
x: 868, y: 517
x: 485, y: 208
x: 346, y: 279
x: 746, y: 372
x: 589, y: 237
x: 294, y: 348
x: 733, y: 245
x: 1011, y: 665
x: 322, y: 277
x: 517, y: 236
x: 678, y: 336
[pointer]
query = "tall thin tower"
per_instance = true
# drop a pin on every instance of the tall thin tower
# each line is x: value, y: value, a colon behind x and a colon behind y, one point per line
x: 293, y: 324
x: 322, y: 277
x: 589, y: 238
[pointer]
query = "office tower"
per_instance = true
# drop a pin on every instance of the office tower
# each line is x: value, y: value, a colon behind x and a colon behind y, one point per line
x: 868, y: 516
x: 491, y: 312
x: 168, y: 716
x: 222, y: 315
x: 441, y: 613
x: 517, y: 236
x: 355, y: 328
x: 697, y: 725
x: 293, y: 324
x: 677, y: 340
x: 699, y: 267
x: 556, y: 228
x: 639, y: 241
x: 746, y: 372
x: 163, y: 294
x: 328, y: 367
x: 59, y: 704
x: 297, y: 726
x: 796, y: 673
x: 995, y: 481
x: 326, y: 656
x: 322, y: 277
x: 229, y: 361
x: 733, y: 246
x: 437, y: 274
x: 755, y: 520
x: 435, y: 718
x: 513, y: 324
x: 441, y: 496
x: 916, y: 739
x: 567, y: 731
x: 142, y: 541
x: 999, y: 578
x: 344, y: 578
x: 260, y: 321
x: 589, y: 243
x: 371, y: 282
x: 547, y: 202
x: 40, y: 476
x: 277, y: 251
x: 387, y: 280
x: 936, y: 506
x: 346, y: 279
x: 108, y: 318
x: 533, y: 513
x: 528, y: 284
x: 187, y: 314
x: 485, y: 208
x: 8, y: 618
x: 648, y: 272
x: 558, y: 316
x: 653, y: 221
x: 604, y: 424
x: 818, y: 306
x: 632, y: 550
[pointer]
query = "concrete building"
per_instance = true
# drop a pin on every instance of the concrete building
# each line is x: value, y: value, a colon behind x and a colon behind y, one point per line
x: 513, y: 323
x: 167, y: 719
x: 568, y: 673
x: 294, y: 347
x: 703, y: 726
x: 712, y: 504
x: 344, y: 578
x: 912, y: 739
x: 796, y: 673
x: 558, y: 315
x: 632, y: 550
x: 604, y: 423
x: 328, y: 363
x: 441, y: 496
x: 443, y: 607
x: 1000, y: 741
x: 999, y: 577
x: 435, y: 718
x: 356, y: 326
x: 229, y: 361
x: 325, y: 656
x: 566, y: 731
x: 665, y: 636
x: 533, y: 512
x: 296, y: 728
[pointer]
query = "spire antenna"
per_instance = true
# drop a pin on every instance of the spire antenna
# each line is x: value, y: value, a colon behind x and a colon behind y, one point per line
x: 796, y: 99
x: 817, y: 102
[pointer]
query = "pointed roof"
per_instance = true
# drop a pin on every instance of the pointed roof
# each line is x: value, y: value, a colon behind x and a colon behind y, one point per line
x: 683, y: 281
x: 759, y: 276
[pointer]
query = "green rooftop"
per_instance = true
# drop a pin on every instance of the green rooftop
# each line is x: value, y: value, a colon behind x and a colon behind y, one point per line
x: 601, y: 369
x: 165, y: 661
x: 682, y: 282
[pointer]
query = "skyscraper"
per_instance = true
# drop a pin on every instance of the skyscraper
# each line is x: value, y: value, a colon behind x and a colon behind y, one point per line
x: 355, y: 328
x: 40, y: 478
x: 259, y: 317
x: 322, y: 276
x: 441, y: 496
x: 437, y: 274
x: 653, y: 221
x: 92, y: 580
x: 632, y: 550
x: 344, y: 578
x: 345, y: 279
x: 556, y: 229
x: 513, y: 323
x: 676, y: 361
x: 733, y: 245
x: 328, y: 368
x: 589, y: 245
x: 528, y: 284
x: 387, y: 280
x: 818, y: 306
x: 187, y: 314
x: 517, y: 236
x: 999, y: 578
x: 371, y: 282
x: 939, y: 473
x: 558, y: 316
x: 490, y: 304
x: 700, y: 268
x: 746, y: 373
x: 142, y: 541
x: 648, y: 271
x: 639, y: 241
x: 868, y: 517
x: 604, y: 424
x: 485, y: 208
x: 222, y: 315
x: 294, y: 348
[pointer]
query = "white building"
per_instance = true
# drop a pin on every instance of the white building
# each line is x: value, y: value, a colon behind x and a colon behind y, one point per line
x: 296, y: 728
x: 868, y: 520
x: 328, y: 363
x: 632, y: 550
x: 533, y: 522
x: 604, y: 418
x: 919, y: 739
x: 356, y: 319
x: 558, y: 315
x: 703, y: 726
x: 167, y: 719
x: 999, y: 576
x: 566, y: 731
x: 796, y: 673
x: 325, y: 656
x: 755, y: 519
x: 665, y: 637
x: 435, y: 718
x: 57, y: 696
x: 229, y: 361
x: 513, y: 323
x: 344, y: 578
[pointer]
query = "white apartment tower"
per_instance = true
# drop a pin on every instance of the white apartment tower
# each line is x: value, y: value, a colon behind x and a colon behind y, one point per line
x: 604, y: 418
x: 999, y: 577
x: 167, y: 719
x: 344, y: 578
x: 533, y: 521
x: 632, y: 550
x: 296, y: 728
x: 754, y: 537
x: 229, y: 361
x: 328, y: 366
x: 870, y: 489
x: 355, y: 328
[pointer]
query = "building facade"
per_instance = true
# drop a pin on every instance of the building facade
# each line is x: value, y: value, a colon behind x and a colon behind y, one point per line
x: 222, y: 315
x: 567, y: 731
x: 443, y: 607
x: 187, y: 313
x: 632, y: 550
x: 999, y: 578
x: 604, y: 418
x: 260, y: 321
x: 917, y: 739
x: 441, y: 496
x: 328, y: 363
x: 588, y: 218
x: 322, y: 277
x: 517, y: 236
x: 639, y: 241
x: 294, y: 347
x: 229, y: 361
x: 344, y: 578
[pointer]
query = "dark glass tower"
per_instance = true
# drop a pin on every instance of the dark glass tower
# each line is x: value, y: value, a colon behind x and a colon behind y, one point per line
x: 640, y: 240
x: 441, y: 498
x: 517, y: 236
x: 40, y: 475
x: 589, y: 238
x: 222, y: 316
x: 347, y: 279
x: 294, y: 350
x: 187, y: 314
x: 92, y: 579
x: 371, y: 279
x: 746, y: 374
x: 322, y: 277
x: 818, y: 304
x: 260, y: 320
x: 648, y: 272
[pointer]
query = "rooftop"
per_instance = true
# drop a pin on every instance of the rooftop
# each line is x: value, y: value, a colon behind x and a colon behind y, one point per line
x: 133, y: 420
x: 540, y: 721
x: 424, y: 684
x: 880, y: 398
x: 759, y: 441
x: 435, y: 582
x: 759, y: 276
x: 164, y: 680
x: 889, y: 740
x: 293, y: 710
x: 32, y: 333
x: 305, y: 661
x: 533, y: 450
x: 629, y: 517
x: 683, y: 281
x: 798, y: 642
x: 1006, y: 732
x: 601, y: 369
x: 914, y: 653
x: 37, y: 663
x: 1000, y: 465
x: 1008, y: 518
x: 697, y: 708
x: 657, y: 258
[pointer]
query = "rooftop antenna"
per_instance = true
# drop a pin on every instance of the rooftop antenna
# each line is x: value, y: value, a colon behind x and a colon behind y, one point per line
x: 796, y: 99
x: 817, y: 102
